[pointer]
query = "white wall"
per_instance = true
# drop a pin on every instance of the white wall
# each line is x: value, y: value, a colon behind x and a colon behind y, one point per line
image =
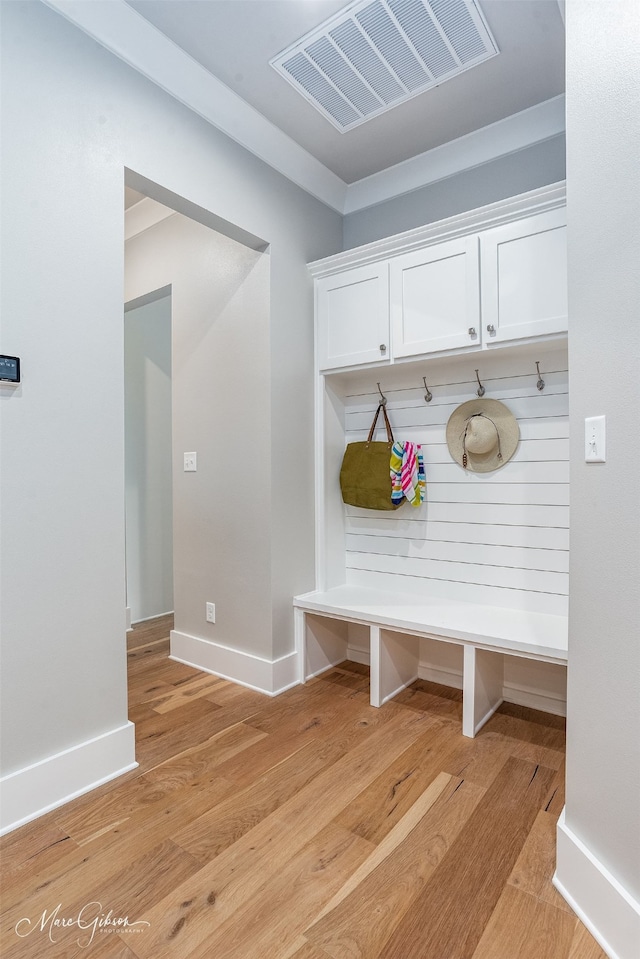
x: 221, y: 411
x: 148, y: 459
x: 74, y: 117
x: 599, y: 845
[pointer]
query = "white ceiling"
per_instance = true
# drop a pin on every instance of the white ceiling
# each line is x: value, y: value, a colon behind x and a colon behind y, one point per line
x: 213, y: 56
x: 235, y: 39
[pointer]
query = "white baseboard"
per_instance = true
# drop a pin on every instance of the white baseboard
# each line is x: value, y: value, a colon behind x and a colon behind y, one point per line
x: 357, y: 655
x: 609, y: 912
x: 535, y: 699
x: 264, y: 675
x: 441, y: 675
x: 149, y: 619
x: 129, y: 626
x: 52, y: 782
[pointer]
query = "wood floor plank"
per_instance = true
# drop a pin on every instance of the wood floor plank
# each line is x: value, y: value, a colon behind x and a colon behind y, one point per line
x: 527, y: 928
x: 145, y: 829
x: 91, y: 818
x: 444, y: 701
x: 361, y: 918
x: 267, y: 926
x: 535, y: 866
x: 187, y: 690
x: 160, y: 738
x: 131, y: 889
x: 316, y: 711
x: 584, y: 946
x: 262, y: 853
x: 149, y: 631
x: 225, y: 822
x: 392, y: 840
x: 475, y: 869
x: 145, y: 690
x: 480, y: 759
x: 32, y: 841
x: 227, y: 694
x: 514, y: 722
x: 555, y: 802
x: 302, y: 949
x: 380, y: 807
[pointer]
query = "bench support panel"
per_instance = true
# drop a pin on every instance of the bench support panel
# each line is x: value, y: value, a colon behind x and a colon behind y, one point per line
x: 483, y: 681
x: 320, y: 643
x: 394, y: 663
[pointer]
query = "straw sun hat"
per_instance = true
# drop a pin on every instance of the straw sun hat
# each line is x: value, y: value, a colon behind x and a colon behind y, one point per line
x: 482, y: 435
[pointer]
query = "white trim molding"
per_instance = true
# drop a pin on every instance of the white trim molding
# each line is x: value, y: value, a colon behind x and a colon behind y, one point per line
x: 56, y: 780
x: 534, y: 125
x: 271, y: 677
x: 609, y: 912
x: 125, y: 33
x: 541, y: 200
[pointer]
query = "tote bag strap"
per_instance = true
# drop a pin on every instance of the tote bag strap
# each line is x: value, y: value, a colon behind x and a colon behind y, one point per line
x: 382, y: 407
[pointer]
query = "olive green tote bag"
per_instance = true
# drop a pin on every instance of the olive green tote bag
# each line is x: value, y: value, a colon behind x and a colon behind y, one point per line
x: 365, y: 477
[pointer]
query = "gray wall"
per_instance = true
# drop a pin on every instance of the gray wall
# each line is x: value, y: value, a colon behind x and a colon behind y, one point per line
x: 74, y: 117
x: 221, y: 411
x: 603, y: 146
x: 147, y: 456
x: 536, y: 166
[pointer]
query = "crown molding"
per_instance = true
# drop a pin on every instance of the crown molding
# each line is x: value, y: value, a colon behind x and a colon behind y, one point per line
x: 485, y: 217
x: 125, y: 33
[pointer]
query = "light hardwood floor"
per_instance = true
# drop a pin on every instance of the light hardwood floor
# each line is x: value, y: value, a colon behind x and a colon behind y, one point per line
x: 309, y: 826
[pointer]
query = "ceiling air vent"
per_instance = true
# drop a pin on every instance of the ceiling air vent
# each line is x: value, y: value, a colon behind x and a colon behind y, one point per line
x: 373, y: 56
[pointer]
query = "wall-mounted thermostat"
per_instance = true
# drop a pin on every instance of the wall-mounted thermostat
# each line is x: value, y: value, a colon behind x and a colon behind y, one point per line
x: 10, y: 368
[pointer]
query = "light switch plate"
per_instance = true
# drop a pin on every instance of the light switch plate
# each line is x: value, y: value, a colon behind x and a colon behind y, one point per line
x: 190, y: 462
x: 595, y: 437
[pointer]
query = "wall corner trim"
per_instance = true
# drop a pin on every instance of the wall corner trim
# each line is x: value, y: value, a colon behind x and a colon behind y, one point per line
x: 56, y: 780
x: 609, y: 912
x: 271, y: 677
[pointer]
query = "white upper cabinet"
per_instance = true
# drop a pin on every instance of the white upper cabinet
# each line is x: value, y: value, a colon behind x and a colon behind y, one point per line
x: 435, y: 298
x: 476, y: 281
x: 524, y: 278
x: 353, y: 317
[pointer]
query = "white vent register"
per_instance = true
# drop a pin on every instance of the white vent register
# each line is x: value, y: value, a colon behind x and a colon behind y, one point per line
x: 374, y: 55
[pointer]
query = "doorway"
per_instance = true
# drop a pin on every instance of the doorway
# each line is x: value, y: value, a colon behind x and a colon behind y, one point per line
x: 148, y: 457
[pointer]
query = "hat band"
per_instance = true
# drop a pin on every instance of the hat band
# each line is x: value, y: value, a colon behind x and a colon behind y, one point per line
x: 465, y: 458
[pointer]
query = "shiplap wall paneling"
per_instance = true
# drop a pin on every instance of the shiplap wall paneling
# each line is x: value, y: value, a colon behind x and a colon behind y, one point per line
x: 500, y: 538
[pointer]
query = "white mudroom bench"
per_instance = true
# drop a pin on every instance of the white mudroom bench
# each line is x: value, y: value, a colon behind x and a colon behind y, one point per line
x: 397, y: 623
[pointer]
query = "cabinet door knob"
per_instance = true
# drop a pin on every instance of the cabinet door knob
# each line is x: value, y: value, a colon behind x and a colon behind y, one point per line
x: 491, y: 329
x: 472, y: 331
x: 383, y: 348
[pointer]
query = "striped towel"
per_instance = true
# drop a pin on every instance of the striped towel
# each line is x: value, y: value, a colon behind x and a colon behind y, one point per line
x: 408, y: 478
x: 395, y: 468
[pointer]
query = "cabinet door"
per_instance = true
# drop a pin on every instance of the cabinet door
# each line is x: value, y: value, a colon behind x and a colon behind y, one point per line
x: 353, y: 317
x: 524, y: 278
x: 435, y: 298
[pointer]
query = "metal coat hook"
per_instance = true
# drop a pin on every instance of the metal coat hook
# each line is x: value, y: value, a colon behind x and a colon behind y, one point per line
x: 481, y: 390
x: 383, y: 398
x: 540, y: 383
x: 428, y: 395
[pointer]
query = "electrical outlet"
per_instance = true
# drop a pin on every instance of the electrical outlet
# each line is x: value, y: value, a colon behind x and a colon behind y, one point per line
x: 190, y: 462
x: 211, y: 612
